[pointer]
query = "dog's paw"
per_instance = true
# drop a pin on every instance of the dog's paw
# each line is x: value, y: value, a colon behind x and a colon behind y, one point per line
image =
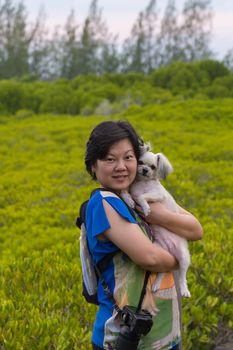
x: 185, y: 292
x: 155, y: 287
x: 131, y: 203
x: 128, y: 199
x: 157, y: 282
x: 146, y: 210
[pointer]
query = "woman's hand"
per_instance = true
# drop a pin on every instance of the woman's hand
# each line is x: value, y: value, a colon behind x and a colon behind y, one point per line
x: 182, y: 223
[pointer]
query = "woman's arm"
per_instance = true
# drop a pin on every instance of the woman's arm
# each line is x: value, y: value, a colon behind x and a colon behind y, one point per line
x: 132, y: 241
x: 182, y: 223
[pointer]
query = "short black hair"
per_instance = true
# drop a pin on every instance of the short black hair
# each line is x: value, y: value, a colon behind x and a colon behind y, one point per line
x: 103, y: 136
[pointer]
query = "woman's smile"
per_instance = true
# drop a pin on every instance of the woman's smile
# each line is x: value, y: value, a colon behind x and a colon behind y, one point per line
x: 120, y: 176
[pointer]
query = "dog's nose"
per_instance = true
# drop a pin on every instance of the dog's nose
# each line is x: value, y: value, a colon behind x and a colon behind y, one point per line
x: 144, y: 171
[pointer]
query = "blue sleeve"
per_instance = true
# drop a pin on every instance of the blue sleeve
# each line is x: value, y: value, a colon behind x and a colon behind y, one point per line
x: 96, y: 218
x: 97, y: 222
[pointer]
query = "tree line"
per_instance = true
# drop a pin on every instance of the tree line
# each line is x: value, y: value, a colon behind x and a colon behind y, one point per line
x: 116, y: 93
x: 29, y: 51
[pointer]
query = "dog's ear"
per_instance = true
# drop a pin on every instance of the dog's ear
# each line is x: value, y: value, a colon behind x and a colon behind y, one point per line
x: 163, y: 165
x: 145, y: 147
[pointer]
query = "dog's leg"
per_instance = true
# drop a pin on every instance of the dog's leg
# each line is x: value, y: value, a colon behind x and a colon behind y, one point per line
x: 146, y: 198
x: 157, y: 282
x: 141, y: 200
x: 128, y: 199
x: 184, y: 261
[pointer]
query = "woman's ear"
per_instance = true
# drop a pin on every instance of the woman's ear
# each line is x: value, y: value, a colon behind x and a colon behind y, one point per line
x: 93, y: 168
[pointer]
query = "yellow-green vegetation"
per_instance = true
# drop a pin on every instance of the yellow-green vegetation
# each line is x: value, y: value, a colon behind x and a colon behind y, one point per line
x: 43, y: 182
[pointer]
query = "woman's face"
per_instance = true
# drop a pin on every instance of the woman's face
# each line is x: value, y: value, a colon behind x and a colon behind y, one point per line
x: 118, y: 169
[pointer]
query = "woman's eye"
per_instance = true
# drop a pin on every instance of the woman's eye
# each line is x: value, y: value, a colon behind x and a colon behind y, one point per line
x: 110, y: 160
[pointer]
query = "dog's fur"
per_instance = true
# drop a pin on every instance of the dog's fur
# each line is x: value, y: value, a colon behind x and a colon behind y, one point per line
x: 147, y: 188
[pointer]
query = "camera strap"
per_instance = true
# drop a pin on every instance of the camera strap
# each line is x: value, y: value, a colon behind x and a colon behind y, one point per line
x: 110, y: 295
x: 143, y: 291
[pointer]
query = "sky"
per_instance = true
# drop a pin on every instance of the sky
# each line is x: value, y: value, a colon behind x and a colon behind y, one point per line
x: 121, y: 14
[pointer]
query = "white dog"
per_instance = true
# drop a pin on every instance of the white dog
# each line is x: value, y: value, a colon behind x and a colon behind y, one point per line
x: 147, y: 188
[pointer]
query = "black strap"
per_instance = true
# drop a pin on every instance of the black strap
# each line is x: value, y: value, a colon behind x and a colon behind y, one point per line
x: 103, y: 263
x: 143, y: 290
x: 82, y: 214
x: 110, y: 295
x: 107, y: 290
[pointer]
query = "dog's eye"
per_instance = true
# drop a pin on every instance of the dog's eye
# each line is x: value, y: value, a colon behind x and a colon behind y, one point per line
x: 140, y: 162
x: 153, y: 167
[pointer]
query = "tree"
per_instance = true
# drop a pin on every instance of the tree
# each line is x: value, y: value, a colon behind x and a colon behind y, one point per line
x: 40, y: 60
x: 15, y: 40
x: 88, y: 55
x: 195, y: 32
x: 109, y: 59
x: 168, y: 38
x: 151, y: 44
x: 97, y: 47
x: 50, y: 63
x: 139, y: 51
x: 134, y: 48
x: 70, y: 49
x: 228, y: 60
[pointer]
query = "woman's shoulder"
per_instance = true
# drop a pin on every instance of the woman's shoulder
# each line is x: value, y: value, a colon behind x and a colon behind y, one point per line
x: 116, y: 202
x: 99, y: 194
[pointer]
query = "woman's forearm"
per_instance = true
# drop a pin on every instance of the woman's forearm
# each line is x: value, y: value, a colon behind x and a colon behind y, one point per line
x: 159, y: 260
x: 134, y: 243
x: 182, y: 223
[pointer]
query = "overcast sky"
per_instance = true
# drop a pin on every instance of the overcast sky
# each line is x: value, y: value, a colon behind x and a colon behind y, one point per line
x: 120, y: 15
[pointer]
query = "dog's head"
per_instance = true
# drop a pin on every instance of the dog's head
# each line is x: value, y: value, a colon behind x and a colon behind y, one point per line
x: 153, y: 166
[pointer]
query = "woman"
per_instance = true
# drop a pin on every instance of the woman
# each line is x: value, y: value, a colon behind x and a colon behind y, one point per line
x: 112, y: 154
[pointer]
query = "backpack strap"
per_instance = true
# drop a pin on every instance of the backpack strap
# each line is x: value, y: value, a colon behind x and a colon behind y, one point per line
x: 103, y: 282
x: 82, y: 214
x: 103, y: 263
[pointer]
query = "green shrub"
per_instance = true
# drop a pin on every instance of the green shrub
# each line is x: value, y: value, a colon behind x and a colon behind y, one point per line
x: 56, y: 99
x: 226, y: 82
x: 84, y: 94
x: 11, y: 93
x: 217, y: 91
x: 214, y: 69
x: 180, y: 76
x: 24, y: 113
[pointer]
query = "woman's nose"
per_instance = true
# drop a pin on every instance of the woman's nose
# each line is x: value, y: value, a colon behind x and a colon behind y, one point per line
x: 120, y: 165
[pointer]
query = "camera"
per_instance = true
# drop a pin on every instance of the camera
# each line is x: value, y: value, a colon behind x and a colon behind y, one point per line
x: 134, y: 324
